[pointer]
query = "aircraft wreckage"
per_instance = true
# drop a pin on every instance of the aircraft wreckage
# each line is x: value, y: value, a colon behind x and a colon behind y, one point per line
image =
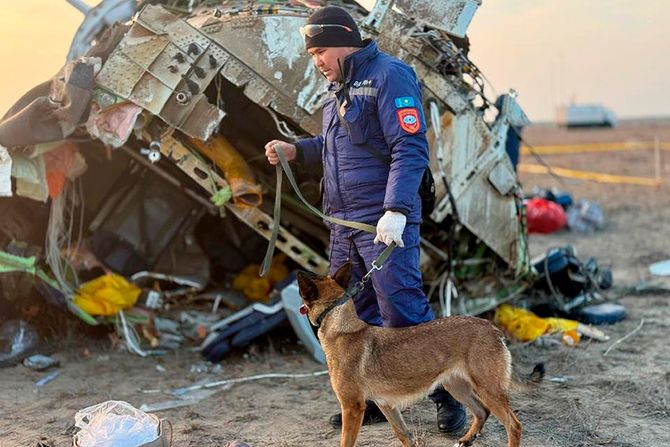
x: 158, y: 120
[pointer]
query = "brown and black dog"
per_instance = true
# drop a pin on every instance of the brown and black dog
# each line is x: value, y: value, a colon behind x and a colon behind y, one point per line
x: 397, y: 366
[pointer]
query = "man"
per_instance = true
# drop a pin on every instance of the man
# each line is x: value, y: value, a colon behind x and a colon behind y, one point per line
x: 374, y: 152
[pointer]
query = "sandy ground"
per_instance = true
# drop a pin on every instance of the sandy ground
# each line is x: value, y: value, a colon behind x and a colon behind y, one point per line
x: 587, y: 398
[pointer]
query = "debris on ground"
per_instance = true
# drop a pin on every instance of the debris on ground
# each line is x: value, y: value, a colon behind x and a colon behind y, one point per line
x: 47, y: 379
x: 524, y: 326
x: 17, y: 340
x: 119, y: 424
x: 544, y: 216
x: 39, y: 362
x: 585, y: 216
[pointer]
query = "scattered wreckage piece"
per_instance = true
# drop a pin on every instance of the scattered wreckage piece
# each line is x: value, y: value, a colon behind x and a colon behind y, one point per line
x: 163, y: 65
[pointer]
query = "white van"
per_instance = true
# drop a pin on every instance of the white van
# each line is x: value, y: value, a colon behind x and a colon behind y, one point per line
x: 585, y: 116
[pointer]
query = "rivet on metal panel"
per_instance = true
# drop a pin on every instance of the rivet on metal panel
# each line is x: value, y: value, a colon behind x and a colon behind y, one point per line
x: 183, y: 98
x: 199, y: 72
x: 245, y: 22
x: 193, y: 49
x: 192, y: 85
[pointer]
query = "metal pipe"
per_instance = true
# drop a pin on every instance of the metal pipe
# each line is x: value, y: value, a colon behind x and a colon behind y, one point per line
x: 80, y: 5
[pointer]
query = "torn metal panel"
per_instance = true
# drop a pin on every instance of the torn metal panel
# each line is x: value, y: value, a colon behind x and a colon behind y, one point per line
x: 271, y: 57
x: 150, y: 94
x: 97, y: 17
x: 120, y: 74
x: 483, y: 184
x: 203, y: 120
x: 142, y: 46
x: 468, y: 153
x: 503, y: 178
x: 452, y: 16
x: 136, y: 71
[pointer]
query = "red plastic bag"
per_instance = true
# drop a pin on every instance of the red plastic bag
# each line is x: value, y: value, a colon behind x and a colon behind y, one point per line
x: 544, y: 216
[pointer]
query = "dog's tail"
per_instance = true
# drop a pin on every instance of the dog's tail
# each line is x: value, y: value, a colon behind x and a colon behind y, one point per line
x: 529, y: 381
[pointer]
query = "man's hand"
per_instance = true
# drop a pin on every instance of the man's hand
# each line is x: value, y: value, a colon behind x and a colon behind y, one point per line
x: 289, y: 150
x: 390, y: 228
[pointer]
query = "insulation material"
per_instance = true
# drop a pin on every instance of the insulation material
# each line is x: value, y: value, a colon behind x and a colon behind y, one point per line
x: 5, y: 173
x: 31, y: 177
x: 113, y: 125
x: 524, y: 325
x: 63, y: 163
x: 235, y: 169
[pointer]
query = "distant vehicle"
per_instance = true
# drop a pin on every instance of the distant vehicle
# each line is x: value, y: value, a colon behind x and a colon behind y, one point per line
x: 593, y: 115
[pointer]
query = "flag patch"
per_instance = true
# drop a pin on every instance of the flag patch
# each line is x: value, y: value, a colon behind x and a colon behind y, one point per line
x: 409, y: 120
x: 404, y: 101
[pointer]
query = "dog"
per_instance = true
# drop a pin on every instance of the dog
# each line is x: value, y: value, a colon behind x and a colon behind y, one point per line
x: 395, y: 367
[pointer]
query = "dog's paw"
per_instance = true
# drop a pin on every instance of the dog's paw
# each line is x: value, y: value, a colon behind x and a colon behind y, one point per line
x: 464, y: 443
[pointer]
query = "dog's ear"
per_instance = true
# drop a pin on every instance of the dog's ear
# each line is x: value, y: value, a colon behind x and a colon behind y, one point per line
x: 343, y: 275
x: 308, y: 289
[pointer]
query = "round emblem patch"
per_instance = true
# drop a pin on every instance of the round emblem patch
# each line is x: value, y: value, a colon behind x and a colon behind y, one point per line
x: 409, y: 120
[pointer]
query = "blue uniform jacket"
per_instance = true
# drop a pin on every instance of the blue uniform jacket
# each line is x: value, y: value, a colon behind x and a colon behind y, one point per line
x: 384, y: 113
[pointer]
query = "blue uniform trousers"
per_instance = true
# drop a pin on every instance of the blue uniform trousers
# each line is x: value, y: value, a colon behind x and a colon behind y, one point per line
x: 394, y: 296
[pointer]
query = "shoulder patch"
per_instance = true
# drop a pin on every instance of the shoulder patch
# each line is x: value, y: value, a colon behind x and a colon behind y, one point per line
x: 404, y: 101
x: 409, y: 120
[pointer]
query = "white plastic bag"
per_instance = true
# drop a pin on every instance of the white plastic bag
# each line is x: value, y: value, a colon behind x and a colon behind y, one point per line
x: 114, y: 424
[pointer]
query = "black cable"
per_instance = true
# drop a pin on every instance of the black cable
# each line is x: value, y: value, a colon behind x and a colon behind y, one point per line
x: 537, y: 157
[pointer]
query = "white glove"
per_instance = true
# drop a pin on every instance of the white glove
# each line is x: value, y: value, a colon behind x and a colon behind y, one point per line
x: 390, y: 228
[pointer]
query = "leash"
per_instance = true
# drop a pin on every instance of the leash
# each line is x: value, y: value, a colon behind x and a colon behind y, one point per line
x: 283, y: 167
x: 352, y: 291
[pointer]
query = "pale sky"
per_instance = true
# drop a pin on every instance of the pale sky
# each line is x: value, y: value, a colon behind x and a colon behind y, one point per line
x: 613, y: 52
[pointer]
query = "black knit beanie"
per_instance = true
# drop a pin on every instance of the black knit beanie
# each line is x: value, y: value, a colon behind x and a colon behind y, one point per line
x: 333, y: 36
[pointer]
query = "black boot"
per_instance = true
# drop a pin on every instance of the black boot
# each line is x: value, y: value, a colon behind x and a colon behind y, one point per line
x: 372, y: 415
x: 450, y: 413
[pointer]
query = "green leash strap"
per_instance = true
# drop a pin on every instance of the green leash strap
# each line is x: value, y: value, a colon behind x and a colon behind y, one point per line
x: 294, y: 184
x: 276, y: 214
x: 283, y: 165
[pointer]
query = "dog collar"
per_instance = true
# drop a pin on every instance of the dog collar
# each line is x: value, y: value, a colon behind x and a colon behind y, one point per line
x: 377, y: 264
x: 346, y: 296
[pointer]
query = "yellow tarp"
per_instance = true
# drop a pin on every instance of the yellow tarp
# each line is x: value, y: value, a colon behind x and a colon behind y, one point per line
x: 524, y: 325
x: 106, y: 295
